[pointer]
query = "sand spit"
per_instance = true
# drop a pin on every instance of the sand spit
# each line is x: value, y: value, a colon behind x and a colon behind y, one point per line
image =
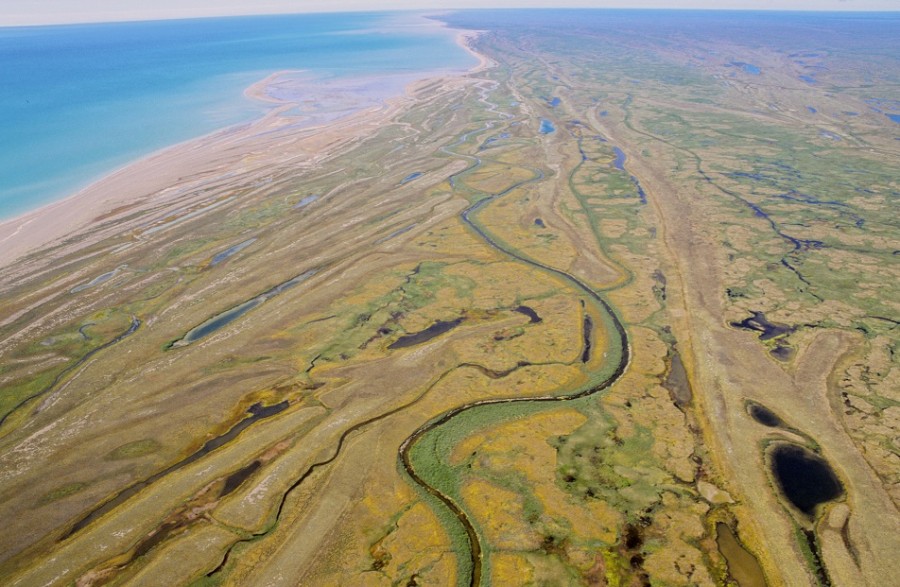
x: 310, y: 121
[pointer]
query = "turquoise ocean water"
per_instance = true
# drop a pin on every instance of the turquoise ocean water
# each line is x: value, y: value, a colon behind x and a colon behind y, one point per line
x: 79, y: 101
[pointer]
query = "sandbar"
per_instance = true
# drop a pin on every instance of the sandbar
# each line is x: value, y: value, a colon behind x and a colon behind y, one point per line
x: 310, y: 121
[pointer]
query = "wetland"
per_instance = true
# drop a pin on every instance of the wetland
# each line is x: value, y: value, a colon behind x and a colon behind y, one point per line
x: 461, y: 338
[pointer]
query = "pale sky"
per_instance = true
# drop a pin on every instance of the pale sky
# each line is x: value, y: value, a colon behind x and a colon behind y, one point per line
x: 26, y: 12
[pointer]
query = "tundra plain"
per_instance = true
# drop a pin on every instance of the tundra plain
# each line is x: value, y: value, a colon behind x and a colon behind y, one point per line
x: 558, y: 321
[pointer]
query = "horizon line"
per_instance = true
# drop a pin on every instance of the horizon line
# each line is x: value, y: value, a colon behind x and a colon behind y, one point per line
x: 432, y: 12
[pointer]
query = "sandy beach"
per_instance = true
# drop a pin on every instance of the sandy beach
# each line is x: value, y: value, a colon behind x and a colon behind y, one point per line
x: 309, y: 122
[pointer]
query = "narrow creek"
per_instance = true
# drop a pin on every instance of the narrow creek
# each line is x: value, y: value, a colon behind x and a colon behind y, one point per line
x: 135, y: 324
x: 619, y: 163
x: 256, y: 412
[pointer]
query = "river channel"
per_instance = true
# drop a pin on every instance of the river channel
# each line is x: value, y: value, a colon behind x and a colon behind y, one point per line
x: 471, y: 571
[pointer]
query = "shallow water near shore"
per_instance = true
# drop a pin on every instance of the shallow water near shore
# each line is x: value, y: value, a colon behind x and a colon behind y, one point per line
x: 78, y: 101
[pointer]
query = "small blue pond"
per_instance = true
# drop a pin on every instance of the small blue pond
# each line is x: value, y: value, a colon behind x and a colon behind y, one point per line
x: 546, y: 127
x: 747, y: 67
x: 411, y: 177
x: 305, y: 202
x: 619, y: 163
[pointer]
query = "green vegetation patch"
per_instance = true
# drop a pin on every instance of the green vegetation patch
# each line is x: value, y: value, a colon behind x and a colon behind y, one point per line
x: 138, y: 448
x: 594, y: 462
x: 63, y: 492
x: 427, y: 284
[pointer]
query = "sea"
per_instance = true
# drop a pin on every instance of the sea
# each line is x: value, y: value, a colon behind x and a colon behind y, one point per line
x: 79, y: 101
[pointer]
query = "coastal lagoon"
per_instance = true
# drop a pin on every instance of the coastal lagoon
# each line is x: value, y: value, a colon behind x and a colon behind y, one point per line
x: 78, y: 101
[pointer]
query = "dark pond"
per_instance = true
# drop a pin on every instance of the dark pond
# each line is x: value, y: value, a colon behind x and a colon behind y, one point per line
x: 530, y: 313
x: 758, y: 323
x: 805, y: 478
x: 764, y: 416
x: 588, y: 332
x: 435, y: 330
x: 539, y: 222
x: 782, y: 352
x: 237, y: 478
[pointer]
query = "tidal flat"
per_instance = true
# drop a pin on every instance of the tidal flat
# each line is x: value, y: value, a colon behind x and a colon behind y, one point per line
x: 607, y: 310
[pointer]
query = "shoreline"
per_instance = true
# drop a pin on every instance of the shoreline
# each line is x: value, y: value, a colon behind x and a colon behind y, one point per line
x: 144, y: 182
